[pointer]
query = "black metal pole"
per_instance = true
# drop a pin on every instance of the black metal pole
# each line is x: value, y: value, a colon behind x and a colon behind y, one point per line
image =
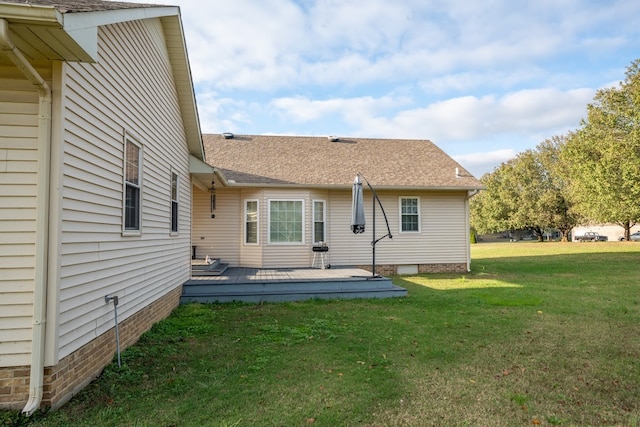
x: 373, y: 240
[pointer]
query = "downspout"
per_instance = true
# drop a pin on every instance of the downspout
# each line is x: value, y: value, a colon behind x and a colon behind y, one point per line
x: 36, y: 378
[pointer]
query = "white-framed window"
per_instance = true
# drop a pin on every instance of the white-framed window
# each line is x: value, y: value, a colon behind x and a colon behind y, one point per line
x: 286, y: 221
x: 319, y: 216
x: 251, y: 222
x: 409, y: 214
x: 132, y: 194
x: 174, y: 202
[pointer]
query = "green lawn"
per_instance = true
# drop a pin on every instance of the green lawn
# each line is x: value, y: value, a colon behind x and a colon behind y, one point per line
x: 538, y: 334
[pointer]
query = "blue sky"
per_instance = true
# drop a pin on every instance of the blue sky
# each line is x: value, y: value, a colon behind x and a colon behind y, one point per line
x: 482, y: 80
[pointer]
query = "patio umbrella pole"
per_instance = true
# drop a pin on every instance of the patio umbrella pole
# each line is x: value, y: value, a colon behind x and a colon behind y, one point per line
x: 374, y: 241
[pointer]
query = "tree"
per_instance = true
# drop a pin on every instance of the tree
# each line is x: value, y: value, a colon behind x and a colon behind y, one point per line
x: 489, y: 212
x: 558, y: 201
x: 528, y: 192
x: 604, y: 155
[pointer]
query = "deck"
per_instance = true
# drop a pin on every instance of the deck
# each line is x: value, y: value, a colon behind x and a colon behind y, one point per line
x: 258, y: 285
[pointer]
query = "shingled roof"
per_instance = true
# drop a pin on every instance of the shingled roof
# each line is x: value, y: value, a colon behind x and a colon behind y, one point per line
x: 263, y: 160
x: 65, y: 6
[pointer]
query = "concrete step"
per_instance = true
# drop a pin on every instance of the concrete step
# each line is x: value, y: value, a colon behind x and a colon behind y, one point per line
x: 215, y: 268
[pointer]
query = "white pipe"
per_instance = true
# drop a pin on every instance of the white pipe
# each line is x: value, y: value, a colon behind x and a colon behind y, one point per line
x: 36, y: 378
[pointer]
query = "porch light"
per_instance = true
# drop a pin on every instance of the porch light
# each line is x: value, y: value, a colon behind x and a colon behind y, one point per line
x: 212, y: 192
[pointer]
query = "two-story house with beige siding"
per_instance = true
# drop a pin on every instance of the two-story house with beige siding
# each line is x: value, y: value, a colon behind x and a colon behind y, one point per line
x: 98, y: 128
x: 276, y: 197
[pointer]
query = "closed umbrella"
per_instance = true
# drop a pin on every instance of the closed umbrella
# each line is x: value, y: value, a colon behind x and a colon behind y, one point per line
x: 357, y: 217
x: 357, y: 208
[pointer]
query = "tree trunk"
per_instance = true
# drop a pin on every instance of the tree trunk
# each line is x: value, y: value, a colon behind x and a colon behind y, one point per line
x: 538, y: 233
x: 627, y: 230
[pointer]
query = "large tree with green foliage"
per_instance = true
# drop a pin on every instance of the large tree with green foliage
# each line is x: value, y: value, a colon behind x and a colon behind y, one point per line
x: 527, y: 192
x: 604, y: 155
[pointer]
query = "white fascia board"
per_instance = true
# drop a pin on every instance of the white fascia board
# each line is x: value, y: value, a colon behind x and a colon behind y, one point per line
x: 82, y: 27
x: 78, y: 20
x: 198, y: 166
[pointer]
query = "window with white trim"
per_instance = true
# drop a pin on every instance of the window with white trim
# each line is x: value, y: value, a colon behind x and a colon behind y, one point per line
x: 174, y: 202
x: 409, y: 214
x: 132, y: 186
x: 319, y: 228
x: 286, y: 221
x: 251, y: 222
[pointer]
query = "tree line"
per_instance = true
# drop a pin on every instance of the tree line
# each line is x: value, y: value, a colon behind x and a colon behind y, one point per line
x: 590, y: 175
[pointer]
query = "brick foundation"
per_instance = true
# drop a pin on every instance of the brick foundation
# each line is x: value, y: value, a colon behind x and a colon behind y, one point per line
x: 391, y: 269
x: 78, y: 369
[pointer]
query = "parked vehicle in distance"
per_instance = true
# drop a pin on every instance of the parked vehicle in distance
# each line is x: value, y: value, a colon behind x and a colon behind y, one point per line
x: 591, y: 236
x: 634, y: 237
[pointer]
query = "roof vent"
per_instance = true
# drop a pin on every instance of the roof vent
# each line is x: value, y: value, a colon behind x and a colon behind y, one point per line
x: 333, y: 138
x: 227, y: 135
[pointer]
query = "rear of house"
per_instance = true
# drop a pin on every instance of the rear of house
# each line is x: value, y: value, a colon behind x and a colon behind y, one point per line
x: 97, y: 125
x: 276, y: 197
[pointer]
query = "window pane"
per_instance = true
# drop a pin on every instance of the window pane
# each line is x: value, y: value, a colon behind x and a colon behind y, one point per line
x: 132, y: 163
x: 318, y: 211
x: 285, y: 218
x: 409, y: 213
x: 174, y: 186
x: 252, y: 232
x: 174, y: 217
x: 318, y: 232
x: 132, y: 208
x: 251, y: 222
x: 174, y: 202
x: 318, y: 221
x: 132, y: 194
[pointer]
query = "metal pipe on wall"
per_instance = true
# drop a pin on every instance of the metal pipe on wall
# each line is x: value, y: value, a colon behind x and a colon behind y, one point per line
x: 107, y: 300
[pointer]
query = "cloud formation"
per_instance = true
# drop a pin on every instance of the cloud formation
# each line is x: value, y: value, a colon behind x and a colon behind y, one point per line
x: 455, y: 72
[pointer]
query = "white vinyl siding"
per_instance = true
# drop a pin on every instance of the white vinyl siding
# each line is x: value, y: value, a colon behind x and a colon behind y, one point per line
x: 129, y: 91
x: 18, y: 203
x: 218, y: 237
x: 442, y: 237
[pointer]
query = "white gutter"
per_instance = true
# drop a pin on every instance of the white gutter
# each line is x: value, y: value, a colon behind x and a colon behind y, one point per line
x: 36, y: 378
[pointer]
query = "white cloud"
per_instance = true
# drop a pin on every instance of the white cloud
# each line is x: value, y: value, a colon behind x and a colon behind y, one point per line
x: 527, y: 113
x: 353, y: 110
x: 455, y: 72
x: 480, y: 163
x: 275, y: 44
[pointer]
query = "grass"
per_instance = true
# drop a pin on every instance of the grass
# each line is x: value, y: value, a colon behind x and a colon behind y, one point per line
x: 537, y: 334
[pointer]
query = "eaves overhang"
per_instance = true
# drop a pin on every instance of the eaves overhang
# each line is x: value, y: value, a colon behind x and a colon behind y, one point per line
x: 49, y: 33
